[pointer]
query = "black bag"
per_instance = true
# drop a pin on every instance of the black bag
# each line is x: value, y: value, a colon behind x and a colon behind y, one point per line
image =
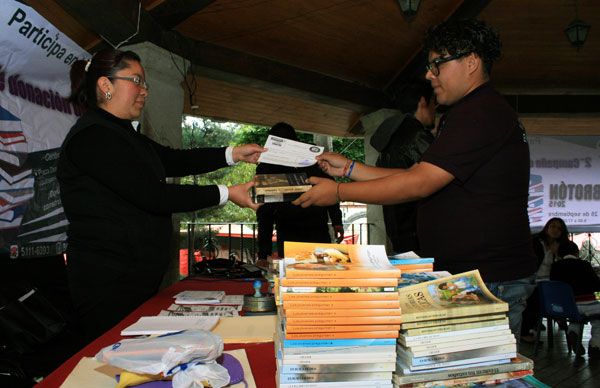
x: 28, y: 320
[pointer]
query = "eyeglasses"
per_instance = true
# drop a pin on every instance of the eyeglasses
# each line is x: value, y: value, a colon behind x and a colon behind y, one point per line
x: 434, y: 66
x: 136, y: 79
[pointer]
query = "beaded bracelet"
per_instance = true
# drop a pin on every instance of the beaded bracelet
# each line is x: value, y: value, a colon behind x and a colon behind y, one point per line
x: 345, y: 170
x: 350, y: 169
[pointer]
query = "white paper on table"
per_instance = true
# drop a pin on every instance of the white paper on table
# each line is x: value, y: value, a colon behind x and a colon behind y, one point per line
x: 165, y: 325
x: 216, y: 311
x: 286, y: 152
x: 199, y: 297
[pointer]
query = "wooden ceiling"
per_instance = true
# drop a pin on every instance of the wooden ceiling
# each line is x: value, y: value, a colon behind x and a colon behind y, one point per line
x: 321, y: 64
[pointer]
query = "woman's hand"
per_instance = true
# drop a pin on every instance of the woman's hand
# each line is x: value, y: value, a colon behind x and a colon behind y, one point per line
x: 323, y: 193
x: 239, y: 195
x: 248, y: 153
x: 332, y: 163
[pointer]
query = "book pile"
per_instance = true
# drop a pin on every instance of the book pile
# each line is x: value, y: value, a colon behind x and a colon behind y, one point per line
x: 338, y: 316
x: 455, y: 331
x: 409, y: 262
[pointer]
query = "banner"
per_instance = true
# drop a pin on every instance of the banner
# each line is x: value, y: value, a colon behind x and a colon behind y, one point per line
x: 565, y: 181
x: 35, y: 116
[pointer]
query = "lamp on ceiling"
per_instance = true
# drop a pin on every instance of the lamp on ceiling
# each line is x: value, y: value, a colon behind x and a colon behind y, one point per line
x: 409, y: 7
x: 577, y: 30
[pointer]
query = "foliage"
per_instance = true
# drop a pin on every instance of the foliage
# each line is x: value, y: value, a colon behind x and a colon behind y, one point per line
x: 202, y: 132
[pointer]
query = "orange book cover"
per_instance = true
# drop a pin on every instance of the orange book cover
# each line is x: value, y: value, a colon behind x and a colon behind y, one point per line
x: 285, y: 296
x: 338, y: 328
x: 339, y: 321
x: 342, y: 304
x: 341, y: 335
x: 416, y: 270
x: 358, y: 312
x: 331, y: 261
x: 372, y: 282
x: 404, y: 267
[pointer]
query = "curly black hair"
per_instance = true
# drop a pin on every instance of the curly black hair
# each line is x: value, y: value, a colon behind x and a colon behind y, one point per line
x: 465, y: 36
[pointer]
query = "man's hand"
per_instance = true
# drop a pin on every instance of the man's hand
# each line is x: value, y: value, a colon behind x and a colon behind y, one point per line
x: 238, y: 194
x: 248, y: 153
x: 332, y: 163
x: 339, y: 233
x: 323, y: 193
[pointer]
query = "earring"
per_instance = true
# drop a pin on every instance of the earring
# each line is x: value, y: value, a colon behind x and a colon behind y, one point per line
x: 108, y: 96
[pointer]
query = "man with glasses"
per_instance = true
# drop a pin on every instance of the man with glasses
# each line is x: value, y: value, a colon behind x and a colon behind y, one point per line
x: 473, y: 181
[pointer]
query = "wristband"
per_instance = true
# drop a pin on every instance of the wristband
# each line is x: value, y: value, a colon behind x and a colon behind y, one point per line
x: 345, y: 170
x: 350, y: 169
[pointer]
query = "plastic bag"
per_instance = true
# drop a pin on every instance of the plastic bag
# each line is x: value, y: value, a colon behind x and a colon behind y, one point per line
x: 160, y: 354
x: 194, y: 375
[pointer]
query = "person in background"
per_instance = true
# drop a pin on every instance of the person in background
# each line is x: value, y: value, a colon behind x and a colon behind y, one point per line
x: 549, y: 245
x: 400, y: 141
x: 582, y: 278
x: 292, y: 222
x: 115, y: 194
x: 472, y: 182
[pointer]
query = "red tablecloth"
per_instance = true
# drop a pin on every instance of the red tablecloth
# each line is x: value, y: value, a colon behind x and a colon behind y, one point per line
x: 260, y: 355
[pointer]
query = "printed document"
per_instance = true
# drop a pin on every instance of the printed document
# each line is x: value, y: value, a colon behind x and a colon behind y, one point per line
x: 286, y: 152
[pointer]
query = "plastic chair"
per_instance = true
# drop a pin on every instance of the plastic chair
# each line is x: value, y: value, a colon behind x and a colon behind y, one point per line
x: 557, y: 302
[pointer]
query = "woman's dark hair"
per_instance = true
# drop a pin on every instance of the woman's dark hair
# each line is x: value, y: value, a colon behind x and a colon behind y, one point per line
x: 564, y: 236
x: 105, y: 63
x: 465, y: 36
x: 283, y: 130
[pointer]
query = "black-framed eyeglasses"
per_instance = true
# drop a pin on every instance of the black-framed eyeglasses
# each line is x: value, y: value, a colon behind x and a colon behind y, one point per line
x: 136, y: 79
x: 434, y: 66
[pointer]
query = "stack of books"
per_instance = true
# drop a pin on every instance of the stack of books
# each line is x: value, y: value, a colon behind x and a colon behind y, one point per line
x: 279, y: 187
x: 455, y: 331
x: 338, y: 317
x: 409, y: 262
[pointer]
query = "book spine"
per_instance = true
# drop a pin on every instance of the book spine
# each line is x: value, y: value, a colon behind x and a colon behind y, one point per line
x: 338, y: 321
x: 349, y: 290
x: 330, y: 377
x: 342, y: 335
x: 334, y: 351
x: 352, y: 273
x: 343, y: 304
x: 337, y: 368
x: 451, y: 312
x: 452, y: 321
x: 431, y: 351
x: 423, y: 260
x: 337, y: 360
x: 313, y: 343
x: 281, y: 190
x: 415, y: 270
x: 491, y: 379
x: 376, y: 282
x: 453, y: 339
x: 455, y: 329
x: 462, y: 373
x: 339, y: 296
x: 458, y: 356
x: 343, y: 384
x: 338, y: 328
x: 417, y: 266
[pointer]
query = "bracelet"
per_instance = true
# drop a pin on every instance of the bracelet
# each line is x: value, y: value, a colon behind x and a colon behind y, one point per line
x: 350, y: 169
x: 348, y: 162
x: 337, y: 193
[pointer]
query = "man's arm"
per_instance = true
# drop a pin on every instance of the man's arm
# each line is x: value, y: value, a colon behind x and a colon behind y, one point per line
x: 420, y: 181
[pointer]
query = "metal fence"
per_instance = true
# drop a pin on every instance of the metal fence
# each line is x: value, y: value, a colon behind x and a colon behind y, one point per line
x: 238, y: 241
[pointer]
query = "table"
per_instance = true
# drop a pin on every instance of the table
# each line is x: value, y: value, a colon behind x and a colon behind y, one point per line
x: 260, y: 355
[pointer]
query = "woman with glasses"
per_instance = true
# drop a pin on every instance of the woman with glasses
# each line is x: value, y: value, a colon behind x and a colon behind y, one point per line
x: 115, y: 193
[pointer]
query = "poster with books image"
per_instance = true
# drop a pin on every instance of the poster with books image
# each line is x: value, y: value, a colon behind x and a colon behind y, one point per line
x: 320, y: 260
x: 458, y: 295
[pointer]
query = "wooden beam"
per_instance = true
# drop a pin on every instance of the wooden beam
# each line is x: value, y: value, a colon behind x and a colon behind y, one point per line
x: 562, y: 125
x: 170, y: 13
x: 116, y: 21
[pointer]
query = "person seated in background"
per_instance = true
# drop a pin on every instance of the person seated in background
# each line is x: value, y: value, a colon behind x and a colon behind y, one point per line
x: 582, y: 278
x: 294, y: 223
x: 549, y: 245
